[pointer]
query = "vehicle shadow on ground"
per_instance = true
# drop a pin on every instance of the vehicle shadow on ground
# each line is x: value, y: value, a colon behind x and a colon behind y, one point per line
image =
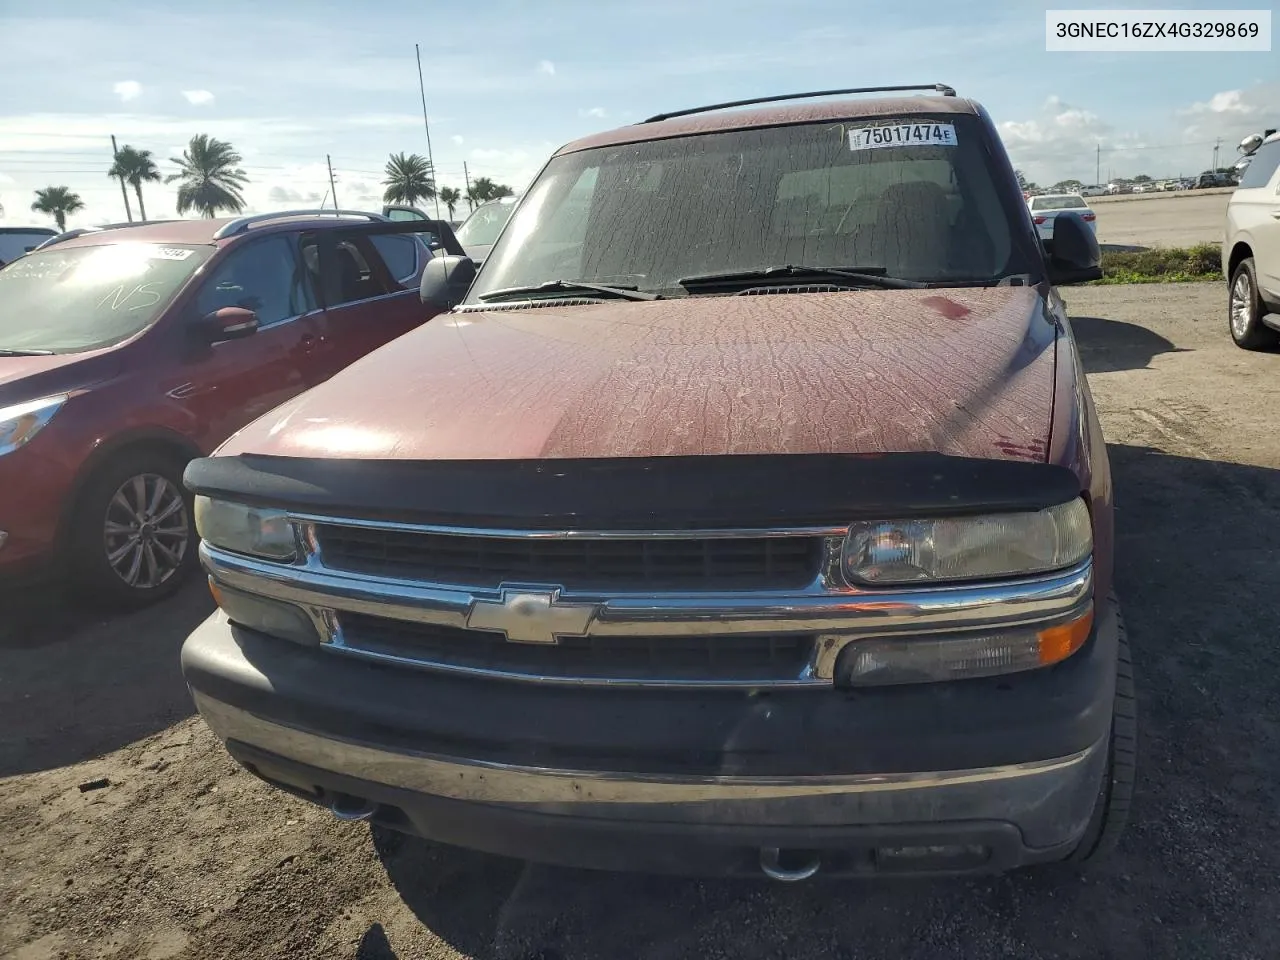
x: 76, y: 682
x: 1108, y: 346
x: 1200, y: 589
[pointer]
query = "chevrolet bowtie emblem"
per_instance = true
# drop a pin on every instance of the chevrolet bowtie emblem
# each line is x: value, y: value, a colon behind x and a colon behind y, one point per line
x: 531, y: 616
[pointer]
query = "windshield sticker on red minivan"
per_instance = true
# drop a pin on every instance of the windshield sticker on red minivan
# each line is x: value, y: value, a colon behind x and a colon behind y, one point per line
x: 903, y: 135
x: 170, y: 253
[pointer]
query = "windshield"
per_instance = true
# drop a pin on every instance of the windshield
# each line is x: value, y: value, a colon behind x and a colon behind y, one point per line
x: 483, y: 226
x: 1058, y: 203
x: 648, y: 214
x: 69, y: 299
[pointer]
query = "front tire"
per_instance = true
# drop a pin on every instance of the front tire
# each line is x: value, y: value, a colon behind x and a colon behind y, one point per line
x: 1111, y: 810
x: 133, y: 539
x: 1245, y: 310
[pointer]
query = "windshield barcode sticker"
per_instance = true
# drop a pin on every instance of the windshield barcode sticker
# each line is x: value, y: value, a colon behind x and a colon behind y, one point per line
x: 170, y: 253
x: 902, y: 135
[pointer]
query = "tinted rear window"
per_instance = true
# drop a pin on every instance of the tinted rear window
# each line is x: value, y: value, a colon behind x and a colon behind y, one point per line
x: 1262, y: 166
x: 1058, y: 203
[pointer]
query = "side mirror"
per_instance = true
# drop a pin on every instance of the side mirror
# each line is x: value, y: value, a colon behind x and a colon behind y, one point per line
x: 445, y: 281
x: 1073, y: 254
x: 229, y: 323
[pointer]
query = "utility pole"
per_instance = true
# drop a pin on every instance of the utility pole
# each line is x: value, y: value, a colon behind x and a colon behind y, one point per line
x: 332, y: 189
x: 1215, y: 154
x: 1097, y: 166
x: 124, y: 191
x: 466, y: 176
x: 426, y: 126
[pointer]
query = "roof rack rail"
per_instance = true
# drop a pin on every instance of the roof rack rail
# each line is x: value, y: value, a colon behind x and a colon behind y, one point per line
x: 241, y: 224
x: 81, y: 231
x: 940, y: 88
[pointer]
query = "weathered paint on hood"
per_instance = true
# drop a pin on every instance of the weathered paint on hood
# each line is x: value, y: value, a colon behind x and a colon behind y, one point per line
x: 963, y: 371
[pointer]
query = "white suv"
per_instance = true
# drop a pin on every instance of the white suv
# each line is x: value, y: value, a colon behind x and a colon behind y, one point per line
x: 1251, y: 252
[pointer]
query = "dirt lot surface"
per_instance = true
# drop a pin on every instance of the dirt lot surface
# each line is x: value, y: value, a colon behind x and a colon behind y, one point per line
x: 1177, y: 219
x: 179, y: 855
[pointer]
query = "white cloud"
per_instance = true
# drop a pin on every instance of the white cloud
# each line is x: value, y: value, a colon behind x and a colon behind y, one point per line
x: 278, y: 194
x: 1228, y: 101
x: 1060, y: 142
x: 457, y: 138
x: 1231, y: 115
x: 198, y: 97
x: 127, y: 90
x: 547, y: 67
x: 599, y: 112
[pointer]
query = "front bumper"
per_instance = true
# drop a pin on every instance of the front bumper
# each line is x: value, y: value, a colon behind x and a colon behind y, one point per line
x: 33, y: 492
x: 973, y: 776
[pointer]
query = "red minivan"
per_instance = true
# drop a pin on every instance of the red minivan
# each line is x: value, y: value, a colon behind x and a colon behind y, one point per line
x: 126, y: 352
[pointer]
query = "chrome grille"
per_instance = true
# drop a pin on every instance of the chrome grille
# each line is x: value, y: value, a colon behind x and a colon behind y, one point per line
x: 753, y: 657
x: 639, y: 564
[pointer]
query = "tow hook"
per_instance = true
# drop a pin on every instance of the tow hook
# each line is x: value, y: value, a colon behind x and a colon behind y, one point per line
x: 771, y: 865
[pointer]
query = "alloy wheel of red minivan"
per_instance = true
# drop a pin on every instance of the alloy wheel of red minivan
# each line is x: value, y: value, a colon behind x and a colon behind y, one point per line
x: 134, y: 541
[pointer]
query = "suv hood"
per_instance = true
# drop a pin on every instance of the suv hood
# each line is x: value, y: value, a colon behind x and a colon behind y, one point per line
x: 963, y: 371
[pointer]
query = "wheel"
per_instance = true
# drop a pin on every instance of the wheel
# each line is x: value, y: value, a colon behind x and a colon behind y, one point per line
x: 1245, y: 310
x: 1111, y: 810
x: 133, y: 538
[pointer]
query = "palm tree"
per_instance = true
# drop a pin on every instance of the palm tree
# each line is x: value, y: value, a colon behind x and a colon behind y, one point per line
x: 408, y: 179
x: 483, y: 189
x: 58, y: 202
x: 134, y: 166
x: 450, y: 196
x: 211, y: 181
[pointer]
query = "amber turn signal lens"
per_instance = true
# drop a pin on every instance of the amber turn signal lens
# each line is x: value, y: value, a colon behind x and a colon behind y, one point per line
x: 1058, y: 643
x: 217, y: 594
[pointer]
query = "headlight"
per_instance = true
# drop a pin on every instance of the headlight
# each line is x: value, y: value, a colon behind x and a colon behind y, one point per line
x: 243, y: 529
x: 22, y: 421
x: 968, y: 548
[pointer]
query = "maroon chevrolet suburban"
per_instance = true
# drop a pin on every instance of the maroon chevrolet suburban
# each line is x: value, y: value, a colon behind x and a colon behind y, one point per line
x: 747, y: 513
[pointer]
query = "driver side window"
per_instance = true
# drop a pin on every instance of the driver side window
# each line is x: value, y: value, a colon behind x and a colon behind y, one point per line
x: 265, y: 277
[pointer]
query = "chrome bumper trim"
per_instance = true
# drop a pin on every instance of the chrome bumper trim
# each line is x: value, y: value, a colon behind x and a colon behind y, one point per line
x: 1051, y: 799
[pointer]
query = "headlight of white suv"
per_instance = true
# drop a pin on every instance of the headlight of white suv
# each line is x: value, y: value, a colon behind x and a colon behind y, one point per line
x: 239, y: 528
x: 968, y: 548
x: 22, y: 421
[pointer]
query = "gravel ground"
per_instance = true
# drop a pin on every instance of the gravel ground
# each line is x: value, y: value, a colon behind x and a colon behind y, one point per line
x: 179, y: 855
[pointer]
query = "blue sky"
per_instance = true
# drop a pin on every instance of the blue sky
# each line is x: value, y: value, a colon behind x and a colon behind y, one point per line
x: 508, y: 81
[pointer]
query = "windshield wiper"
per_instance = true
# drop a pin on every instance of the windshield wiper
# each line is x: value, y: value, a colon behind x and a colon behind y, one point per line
x: 570, y: 286
x: 26, y: 353
x: 860, y: 276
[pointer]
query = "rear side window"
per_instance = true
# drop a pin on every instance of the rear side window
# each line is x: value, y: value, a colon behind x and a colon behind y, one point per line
x: 1262, y: 166
x: 343, y: 270
x: 1058, y: 203
x: 400, y: 253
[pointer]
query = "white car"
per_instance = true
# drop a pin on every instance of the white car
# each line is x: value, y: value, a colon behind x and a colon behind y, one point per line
x: 1045, y: 208
x: 1094, y: 190
x: 1251, y: 252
